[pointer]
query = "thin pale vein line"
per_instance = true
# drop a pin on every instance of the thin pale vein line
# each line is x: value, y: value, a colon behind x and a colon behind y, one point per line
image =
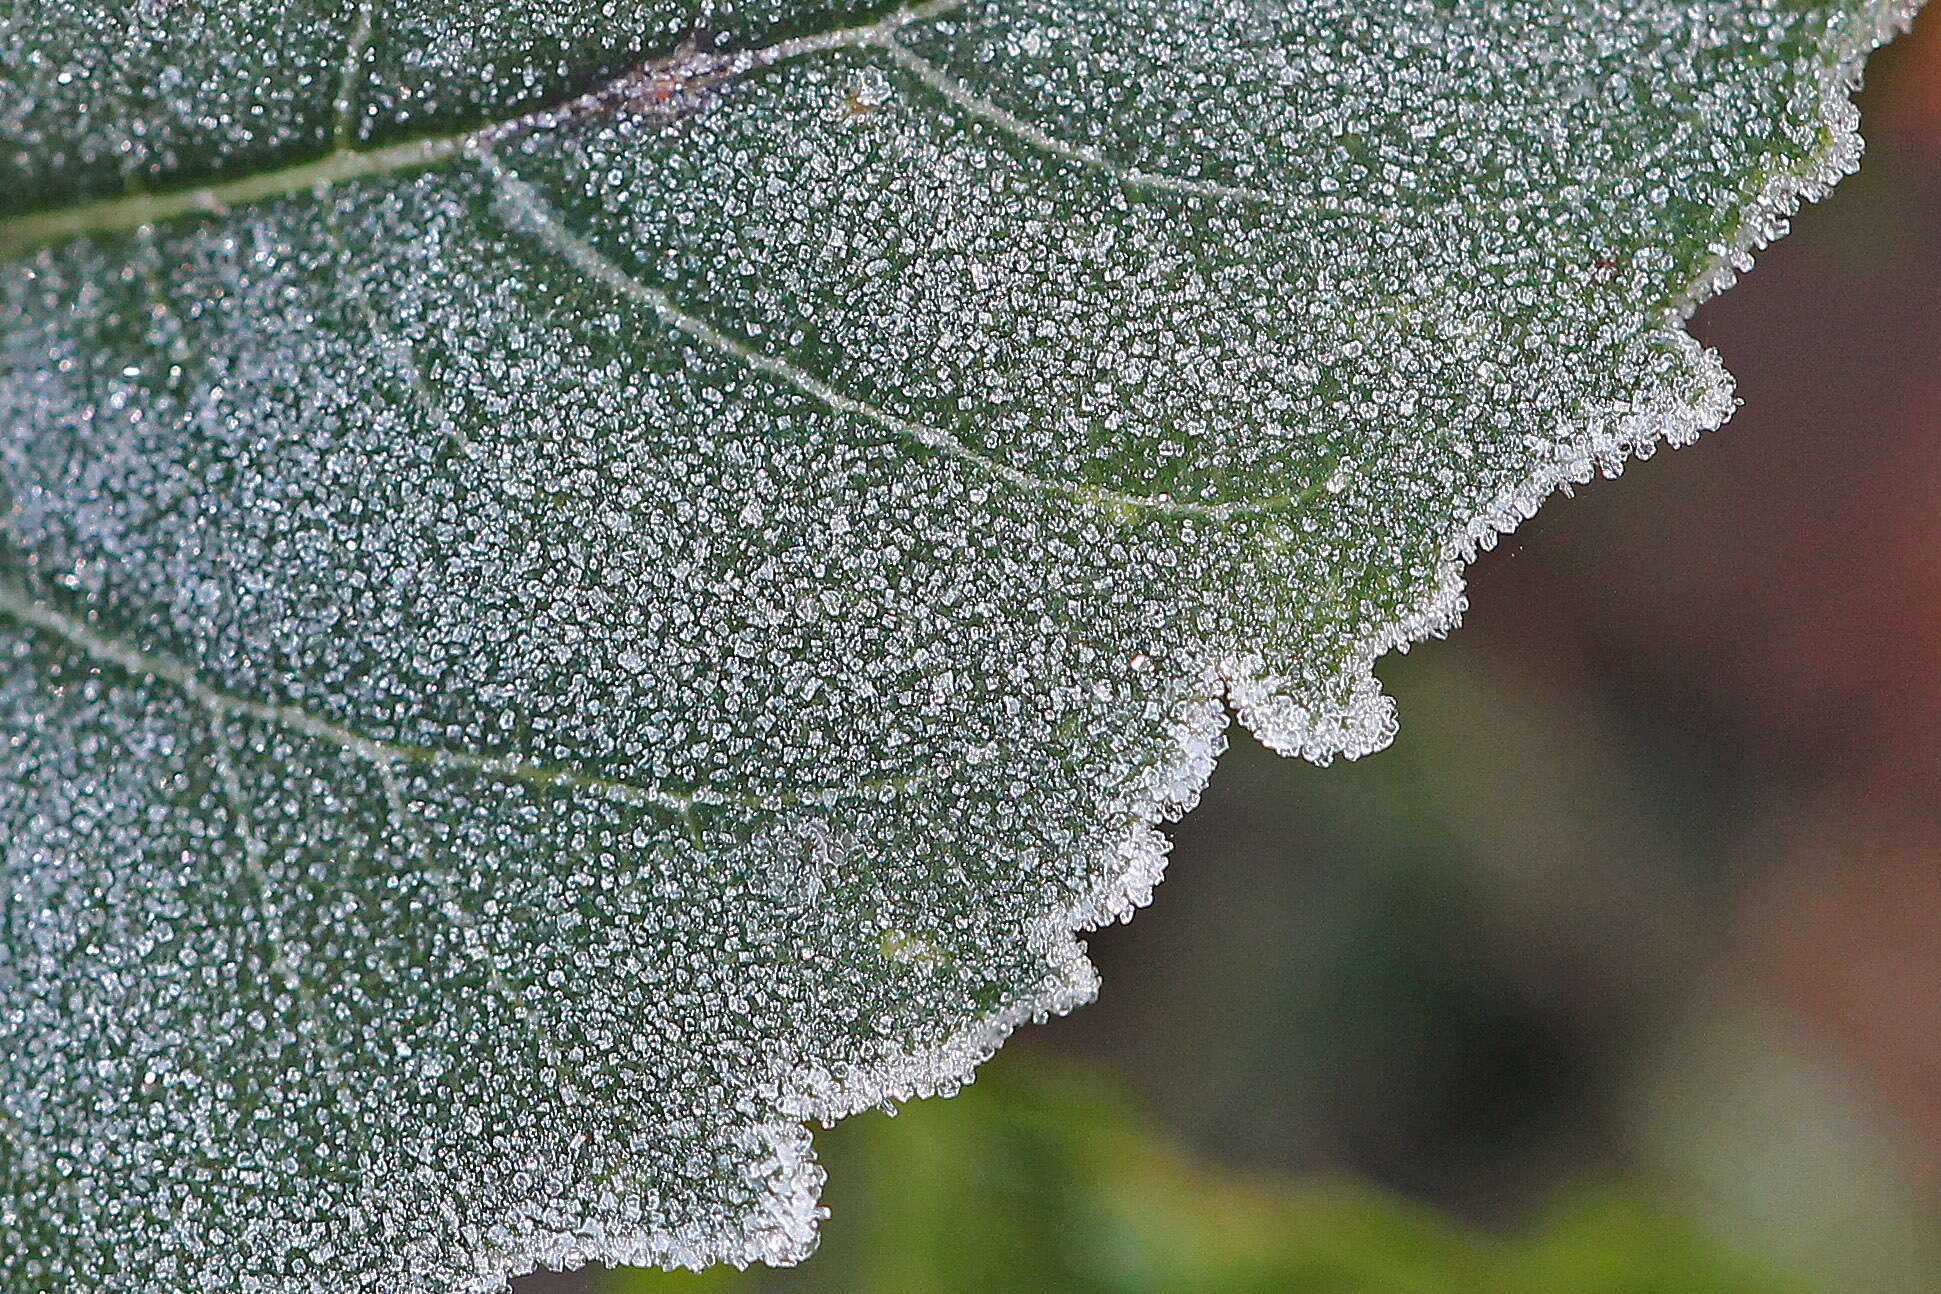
x: 447, y: 892
x: 256, y: 854
x: 526, y: 210
x: 345, y: 106
x: 1044, y: 141
x: 254, y: 850
x: 15, y: 602
x: 256, y: 860
x: 22, y: 607
x: 398, y: 351
x: 135, y: 210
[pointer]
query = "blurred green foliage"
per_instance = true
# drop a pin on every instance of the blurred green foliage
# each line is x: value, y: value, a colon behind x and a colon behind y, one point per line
x: 1043, y: 1177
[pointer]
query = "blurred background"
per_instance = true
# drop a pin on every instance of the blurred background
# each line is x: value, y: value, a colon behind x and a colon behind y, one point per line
x: 1619, y: 972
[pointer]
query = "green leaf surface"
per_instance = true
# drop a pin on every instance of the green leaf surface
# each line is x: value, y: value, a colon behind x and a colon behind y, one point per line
x: 565, y: 614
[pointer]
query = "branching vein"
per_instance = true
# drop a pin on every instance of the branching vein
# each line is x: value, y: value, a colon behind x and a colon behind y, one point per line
x: 346, y: 162
x: 347, y: 104
x: 23, y: 608
x: 397, y: 351
x: 956, y: 92
x: 525, y: 210
x: 17, y: 604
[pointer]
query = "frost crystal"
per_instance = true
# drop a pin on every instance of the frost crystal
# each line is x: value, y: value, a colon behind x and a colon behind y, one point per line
x: 562, y: 614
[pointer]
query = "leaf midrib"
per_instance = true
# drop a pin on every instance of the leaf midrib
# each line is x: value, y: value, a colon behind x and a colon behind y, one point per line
x: 128, y: 212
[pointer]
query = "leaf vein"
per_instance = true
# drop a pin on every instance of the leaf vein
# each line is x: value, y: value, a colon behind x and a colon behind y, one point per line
x: 346, y: 106
x: 20, y: 606
x: 525, y: 211
x: 256, y: 864
x: 23, y: 608
x: 956, y: 92
x: 448, y: 894
x: 345, y: 161
x: 397, y: 351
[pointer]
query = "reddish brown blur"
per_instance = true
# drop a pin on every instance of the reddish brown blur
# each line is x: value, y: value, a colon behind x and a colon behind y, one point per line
x: 1778, y: 587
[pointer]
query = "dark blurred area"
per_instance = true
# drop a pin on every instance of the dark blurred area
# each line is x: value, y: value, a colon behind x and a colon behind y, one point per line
x: 1620, y: 971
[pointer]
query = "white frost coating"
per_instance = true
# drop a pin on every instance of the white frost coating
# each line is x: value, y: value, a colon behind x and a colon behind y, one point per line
x: 1366, y: 721
x: 1133, y: 867
x: 1608, y: 439
x: 536, y: 666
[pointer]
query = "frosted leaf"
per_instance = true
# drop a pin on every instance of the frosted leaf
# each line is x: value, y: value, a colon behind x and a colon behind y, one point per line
x: 564, y: 616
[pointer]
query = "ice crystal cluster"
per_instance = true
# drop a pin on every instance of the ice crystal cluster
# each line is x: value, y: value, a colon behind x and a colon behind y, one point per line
x: 573, y: 600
